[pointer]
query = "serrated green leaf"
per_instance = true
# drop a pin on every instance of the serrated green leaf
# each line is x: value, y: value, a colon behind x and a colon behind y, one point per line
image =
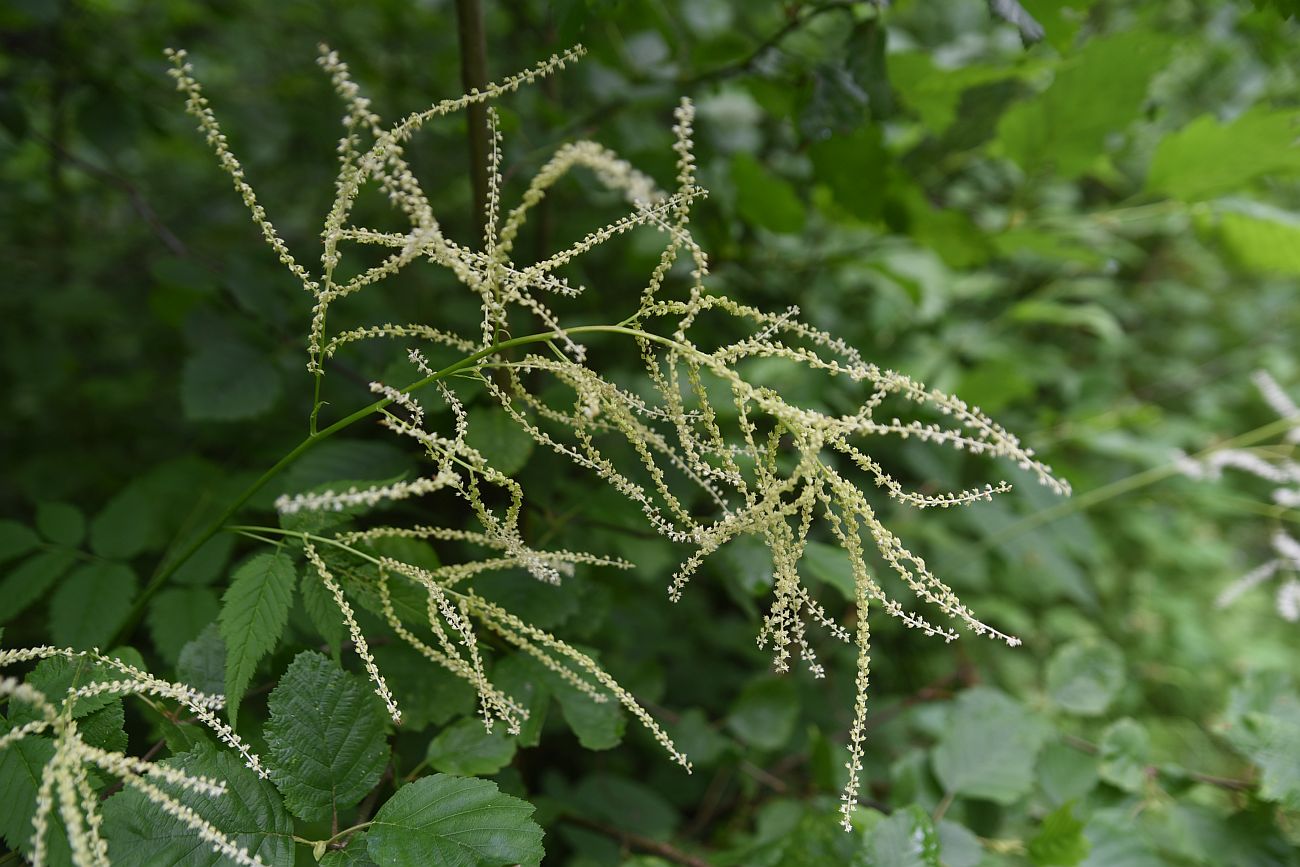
x: 1094, y: 95
x: 91, y: 604
x: 254, y: 612
x: 765, y: 713
x: 61, y: 523
x: 16, y: 540
x: 989, y: 747
x: 906, y: 838
x: 20, y: 777
x: 355, y: 855
x: 227, y: 381
x: 1207, y: 158
x: 464, y: 748
x: 454, y: 822
x: 202, y: 662
x: 326, y: 737
x: 502, y: 442
x: 250, y: 812
x: 106, y: 727
x: 764, y: 199
x: 31, y: 579
x: 177, y: 615
x: 1124, y: 752
x: 1083, y: 677
x: 57, y: 675
x: 1060, y: 841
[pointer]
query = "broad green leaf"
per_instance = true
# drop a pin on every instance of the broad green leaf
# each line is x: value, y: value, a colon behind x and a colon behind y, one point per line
x: 202, y: 662
x: 958, y: 845
x: 61, y: 523
x: 466, y: 749
x: 517, y: 677
x: 1061, y: 19
x: 853, y: 166
x: 454, y: 822
x: 1097, y: 93
x: 934, y: 93
x: 364, y: 460
x: 208, y: 563
x: 16, y: 540
x: 326, y: 737
x: 226, y: 381
x: 91, y: 604
x: 250, y: 812
x: 31, y: 579
x: 765, y: 713
x: 765, y: 199
x: 1125, y: 746
x: 355, y: 855
x: 1089, y: 317
x: 1263, y: 723
x: 630, y: 804
x: 598, y: 725
x: 1207, y: 158
x: 696, y: 736
x: 254, y: 612
x: 831, y: 565
x: 1114, y: 841
x: 1059, y: 841
x: 177, y: 615
x: 989, y: 747
x: 1258, y: 237
x: 906, y: 838
x: 501, y: 441
x: 128, y: 524
x: 1066, y: 773
x: 1083, y: 677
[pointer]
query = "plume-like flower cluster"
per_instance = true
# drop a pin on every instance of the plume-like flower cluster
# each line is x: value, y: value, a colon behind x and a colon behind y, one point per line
x: 766, y: 465
x: 1283, y: 471
x: 65, y: 783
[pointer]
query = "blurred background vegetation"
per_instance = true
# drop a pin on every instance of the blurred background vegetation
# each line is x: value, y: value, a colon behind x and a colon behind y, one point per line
x: 1082, y: 216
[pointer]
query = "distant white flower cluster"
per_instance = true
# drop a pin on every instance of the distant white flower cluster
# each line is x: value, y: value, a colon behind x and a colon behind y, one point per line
x: 1284, y: 473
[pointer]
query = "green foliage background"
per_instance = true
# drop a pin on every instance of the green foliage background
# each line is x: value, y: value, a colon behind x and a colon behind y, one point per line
x: 1094, y: 237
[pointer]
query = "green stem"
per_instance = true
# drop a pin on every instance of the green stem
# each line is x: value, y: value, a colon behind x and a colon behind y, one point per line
x: 1131, y: 483
x: 162, y: 574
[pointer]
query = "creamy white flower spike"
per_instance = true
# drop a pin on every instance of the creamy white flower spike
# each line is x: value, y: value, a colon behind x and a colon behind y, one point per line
x: 697, y: 429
